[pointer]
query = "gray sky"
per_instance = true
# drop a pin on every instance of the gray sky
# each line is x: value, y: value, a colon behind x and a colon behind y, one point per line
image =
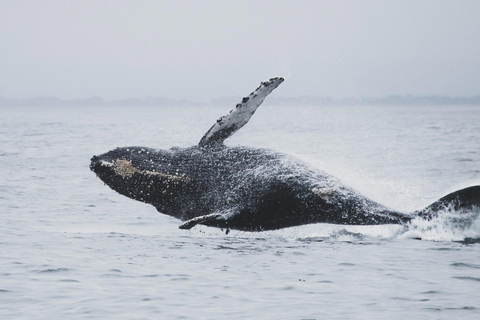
x: 207, y: 49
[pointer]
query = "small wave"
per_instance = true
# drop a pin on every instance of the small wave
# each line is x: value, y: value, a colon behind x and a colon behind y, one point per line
x: 465, y: 265
x: 115, y: 275
x: 432, y: 292
x: 336, y: 235
x: 330, y: 232
x: 468, y: 278
x: 54, y: 270
x: 463, y: 308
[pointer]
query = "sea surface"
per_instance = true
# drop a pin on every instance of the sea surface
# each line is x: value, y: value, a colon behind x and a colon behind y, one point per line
x: 71, y: 248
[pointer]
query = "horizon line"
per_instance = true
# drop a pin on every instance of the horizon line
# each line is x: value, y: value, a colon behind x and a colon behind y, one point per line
x: 276, y: 100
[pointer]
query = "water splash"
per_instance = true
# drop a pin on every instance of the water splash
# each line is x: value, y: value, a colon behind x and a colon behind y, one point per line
x: 447, y: 225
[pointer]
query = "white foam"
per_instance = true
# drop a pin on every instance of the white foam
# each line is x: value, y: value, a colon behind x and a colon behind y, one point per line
x: 448, y: 225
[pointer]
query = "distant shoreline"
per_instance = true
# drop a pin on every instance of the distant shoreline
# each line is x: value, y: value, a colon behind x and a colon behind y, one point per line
x: 393, y: 100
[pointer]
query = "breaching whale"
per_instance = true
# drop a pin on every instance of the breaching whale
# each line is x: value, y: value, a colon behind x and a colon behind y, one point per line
x: 247, y: 188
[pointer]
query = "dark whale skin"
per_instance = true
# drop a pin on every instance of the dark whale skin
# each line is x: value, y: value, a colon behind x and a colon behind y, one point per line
x: 253, y: 189
x: 245, y: 188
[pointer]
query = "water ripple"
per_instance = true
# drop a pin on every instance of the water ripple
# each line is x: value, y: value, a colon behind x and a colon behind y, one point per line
x: 465, y: 265
x: 468, y: 278
x: 54, y: 270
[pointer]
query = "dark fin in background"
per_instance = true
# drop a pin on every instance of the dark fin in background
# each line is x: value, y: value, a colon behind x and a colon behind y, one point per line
x: 239, y: 116
x: 465, y: 199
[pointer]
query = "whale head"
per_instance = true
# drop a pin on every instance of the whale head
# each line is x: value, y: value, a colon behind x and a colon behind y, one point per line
x: 144, y: 174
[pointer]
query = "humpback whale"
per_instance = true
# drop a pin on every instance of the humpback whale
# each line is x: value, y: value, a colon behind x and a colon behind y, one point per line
x: 246, y: 188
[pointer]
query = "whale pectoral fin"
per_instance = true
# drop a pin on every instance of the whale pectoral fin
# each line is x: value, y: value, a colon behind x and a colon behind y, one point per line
x: 197, y: 220
x: 239, y: 116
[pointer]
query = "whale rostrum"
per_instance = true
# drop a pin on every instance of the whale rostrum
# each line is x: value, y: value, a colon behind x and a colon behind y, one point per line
x: 246, y: 188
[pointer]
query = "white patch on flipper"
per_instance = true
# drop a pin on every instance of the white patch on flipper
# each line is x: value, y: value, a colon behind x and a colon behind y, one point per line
x: 208, y: 217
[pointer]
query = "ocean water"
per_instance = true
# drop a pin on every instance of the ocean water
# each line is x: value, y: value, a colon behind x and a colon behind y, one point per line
x: 71, y: 248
